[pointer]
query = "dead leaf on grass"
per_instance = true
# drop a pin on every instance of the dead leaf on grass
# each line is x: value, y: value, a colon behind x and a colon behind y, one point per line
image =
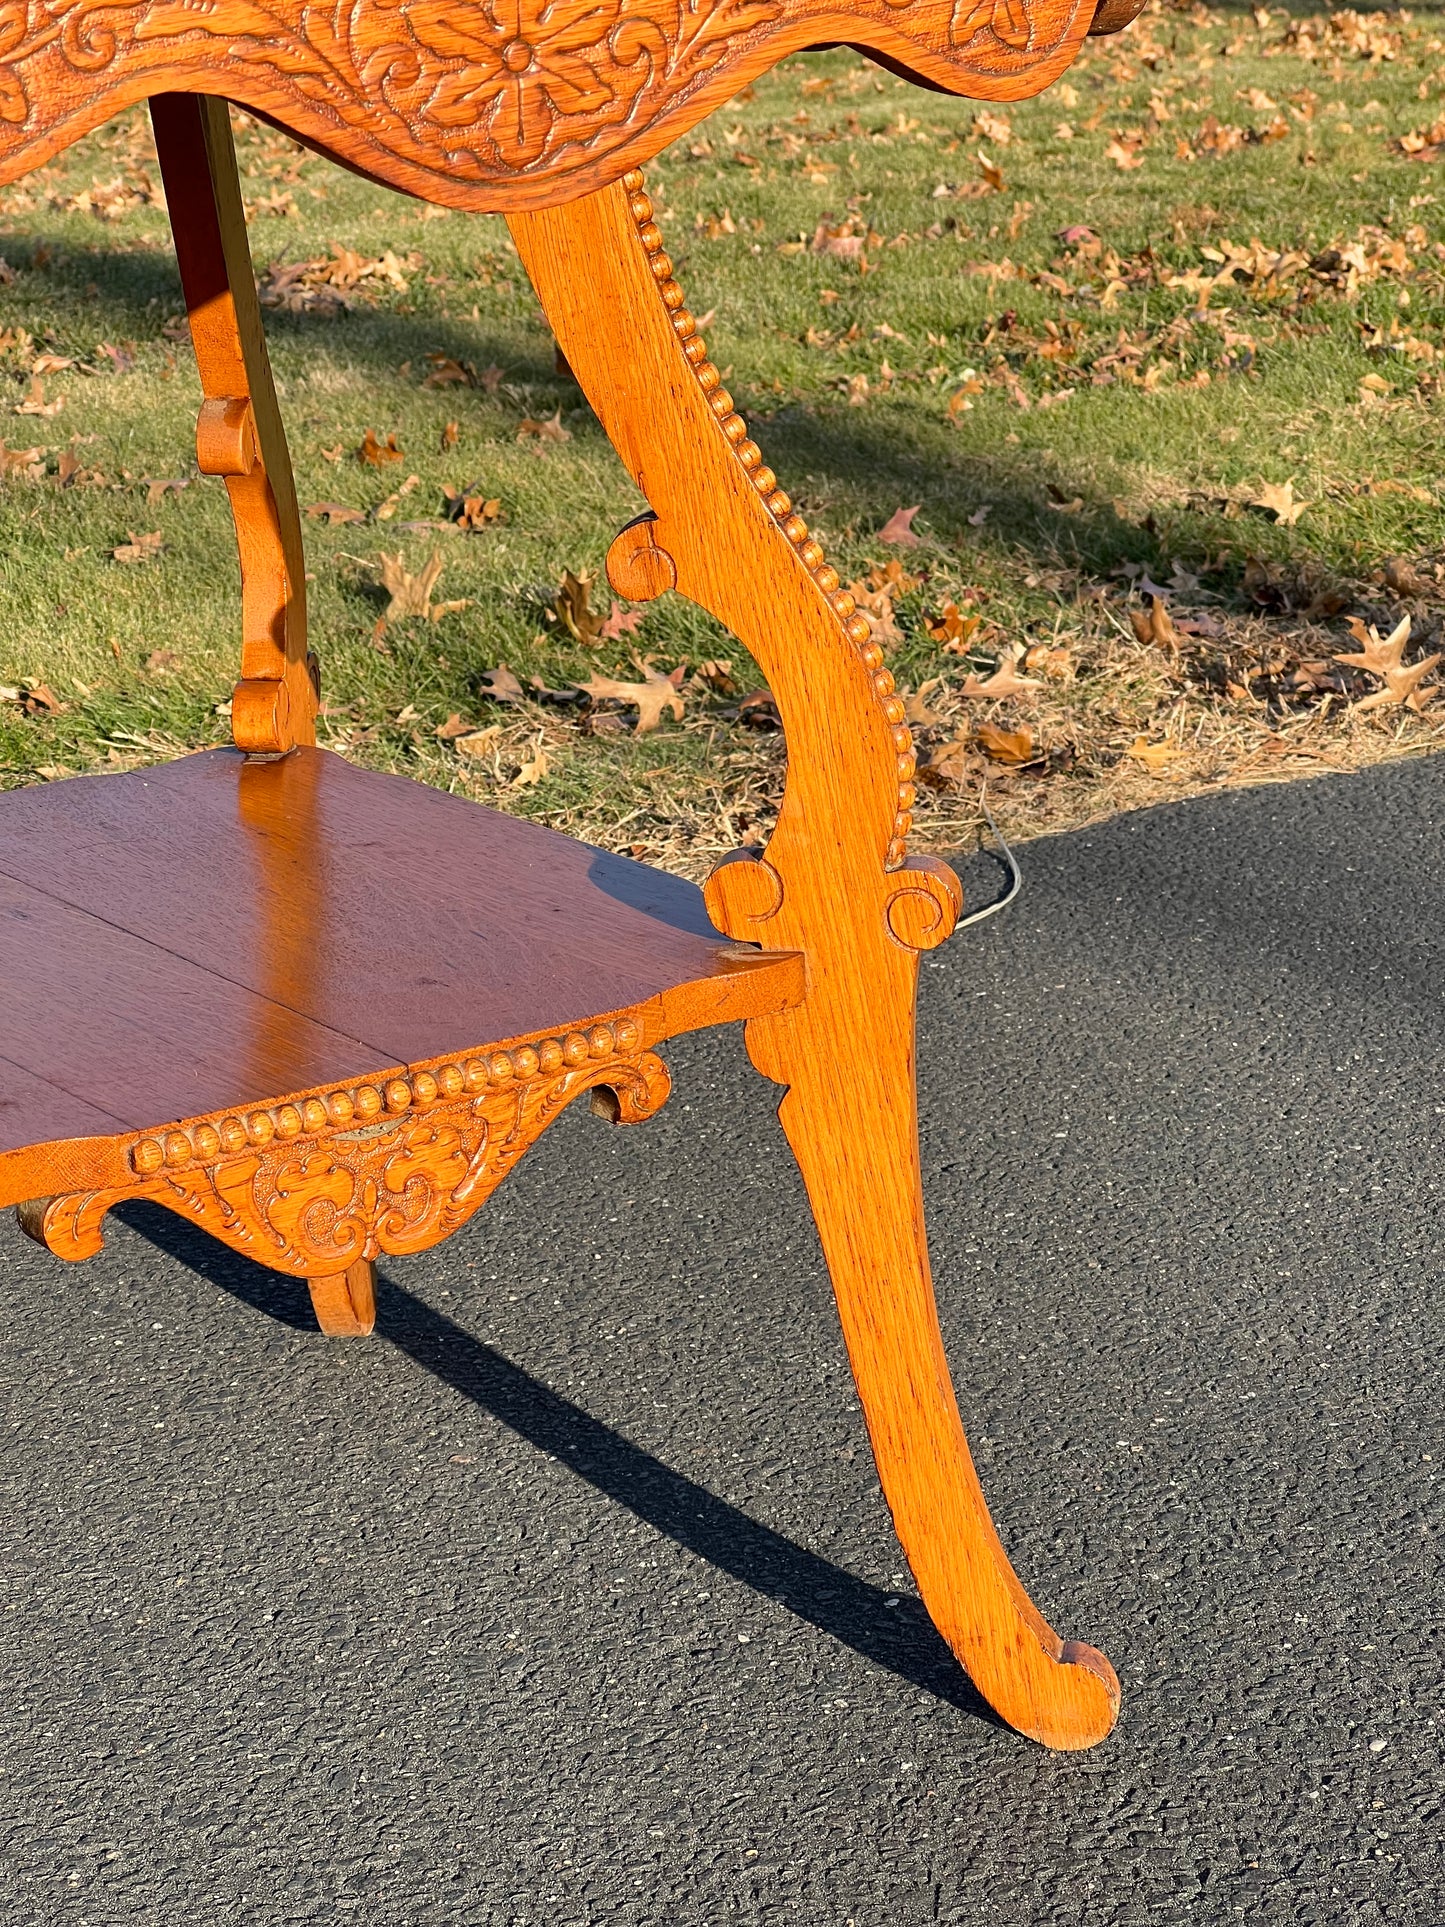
x: 471, y: 508
x: 1382, y: 656
x: 549, y: 430
x: 450, y: 436
x: 140, y: 548
x: 157, y: 491
x: 622, y: 622
x: 572, y: 608
x: 375, y: 453
x: 1004, y: 681
x: 36, y: 404
x: 898, y: 529
x: 501, y: 685
x: 478, y: 742
x: 950, y: 765
x: 384, y: 511
x: 1012, y: 747
x: 411, y: 594
x: 954, y: 628
x: 533, y: 770
x: 1154, y: 625
x: 1279, y: 499
x: 652, y: 698
x: 39, y: 699
x: 161, y: 661
x: 335, y: 512
x: 1154, y: 756
x: 759, y: 710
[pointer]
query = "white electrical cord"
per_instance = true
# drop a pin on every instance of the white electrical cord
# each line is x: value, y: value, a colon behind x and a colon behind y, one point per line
x: 992, y: 909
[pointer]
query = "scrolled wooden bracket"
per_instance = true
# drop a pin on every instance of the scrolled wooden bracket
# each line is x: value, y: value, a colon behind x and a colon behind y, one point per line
x: 636, y: 566
x: 742, y: 893
x: 317, y: 1185
x: 925, y: 903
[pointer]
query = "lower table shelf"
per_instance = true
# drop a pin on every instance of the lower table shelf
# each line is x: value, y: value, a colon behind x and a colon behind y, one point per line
x: 230, y: 958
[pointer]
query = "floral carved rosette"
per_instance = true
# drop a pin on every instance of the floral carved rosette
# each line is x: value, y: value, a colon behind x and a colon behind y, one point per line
x: 488, y: 104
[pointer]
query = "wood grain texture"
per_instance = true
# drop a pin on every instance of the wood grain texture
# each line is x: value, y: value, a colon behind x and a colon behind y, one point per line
x: 345, y: 1301
x: 240, y: 435
x: 486, y: 104
x: 834, y: 883
x: 180, y: 942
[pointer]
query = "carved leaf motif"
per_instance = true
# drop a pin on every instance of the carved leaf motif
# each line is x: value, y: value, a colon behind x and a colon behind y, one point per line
x: 314, y: 1205
x: 232, y: 19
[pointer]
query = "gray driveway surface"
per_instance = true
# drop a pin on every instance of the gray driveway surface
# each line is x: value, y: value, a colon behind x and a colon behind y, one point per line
x: 570, y: 1597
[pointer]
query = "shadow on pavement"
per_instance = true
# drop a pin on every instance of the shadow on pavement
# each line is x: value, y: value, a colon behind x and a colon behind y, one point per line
x: 890, y: 1632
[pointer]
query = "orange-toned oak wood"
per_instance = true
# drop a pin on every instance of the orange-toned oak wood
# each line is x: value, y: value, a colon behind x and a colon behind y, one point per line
x: 493, y: 104
x: 835, y: 884
x: 345, y: 1301
x: 239, y: 434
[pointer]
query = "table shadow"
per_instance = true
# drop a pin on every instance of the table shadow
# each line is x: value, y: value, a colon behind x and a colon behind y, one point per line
x: 890, y: 1631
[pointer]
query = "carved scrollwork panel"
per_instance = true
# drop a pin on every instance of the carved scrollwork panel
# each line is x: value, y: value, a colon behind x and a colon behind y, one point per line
x: 310, y: 1188
x: 486, y: 104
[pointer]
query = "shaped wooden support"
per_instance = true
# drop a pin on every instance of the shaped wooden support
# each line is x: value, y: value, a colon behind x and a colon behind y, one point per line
x: 239, y: 434
x: 834, y: 883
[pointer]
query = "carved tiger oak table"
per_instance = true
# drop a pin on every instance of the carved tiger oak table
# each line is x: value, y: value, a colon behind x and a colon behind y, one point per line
x: 320, y: 1012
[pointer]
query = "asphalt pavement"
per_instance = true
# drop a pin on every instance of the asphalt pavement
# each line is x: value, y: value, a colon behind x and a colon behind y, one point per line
x: 570, y: 1598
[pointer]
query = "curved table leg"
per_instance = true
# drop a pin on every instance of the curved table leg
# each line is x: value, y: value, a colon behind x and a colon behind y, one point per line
x: 834, y: 884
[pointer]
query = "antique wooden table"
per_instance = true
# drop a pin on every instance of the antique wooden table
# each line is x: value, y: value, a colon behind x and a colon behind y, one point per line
x: 322, y: 1012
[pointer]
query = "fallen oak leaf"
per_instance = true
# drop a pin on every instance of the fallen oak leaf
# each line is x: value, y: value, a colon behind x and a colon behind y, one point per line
x: 1382, y: 656
x: 1154, y: 756
x: 446, y: 372
x: 35, y: 402
x: 953, y: 627
x: 374, y: 453
x: 335, y: 512
x: 39, y: 699
x: 1155, y: 625
x: 950, y: 765
x: 471, y: 508
x: 411, y: 594
x: 384, y: 511
x: 533, y: 771
x: 550, y: 430
x: 453, y: 728
x: 1004, y: 681
x: 898, y: 529
x: 1279, y: 499
x: 140, y: 548
x: 1009, y: 746
x: 501, y: 685
x: 157, y: 491
x: 478, y: 742
x: 572, y: 607
x: 759, y: 710
x: 652, y: 698
x: 620, y: 622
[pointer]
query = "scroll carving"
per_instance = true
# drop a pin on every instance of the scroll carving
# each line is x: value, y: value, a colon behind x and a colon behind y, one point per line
x: 309, y: 1188
x: 485, y: 104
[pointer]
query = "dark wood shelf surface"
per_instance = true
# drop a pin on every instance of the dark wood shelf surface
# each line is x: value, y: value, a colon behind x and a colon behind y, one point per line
x: 217, y: 931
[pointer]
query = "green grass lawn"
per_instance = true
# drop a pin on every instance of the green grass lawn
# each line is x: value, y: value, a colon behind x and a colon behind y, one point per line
x: 1091, y: 338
